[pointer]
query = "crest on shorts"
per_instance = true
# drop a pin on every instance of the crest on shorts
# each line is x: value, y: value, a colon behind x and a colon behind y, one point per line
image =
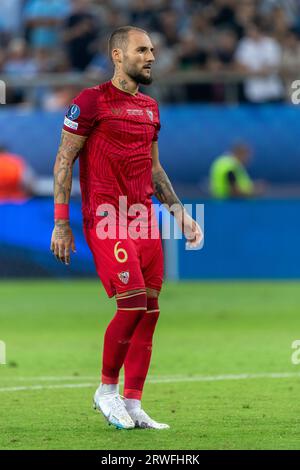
x: 124, y: 277
x: 150, y: 114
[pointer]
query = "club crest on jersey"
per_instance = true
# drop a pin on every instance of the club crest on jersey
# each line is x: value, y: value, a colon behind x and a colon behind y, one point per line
x: 73, y: 112
x: 124, y: 277
x: 150, y: 114
x: 116, y: 111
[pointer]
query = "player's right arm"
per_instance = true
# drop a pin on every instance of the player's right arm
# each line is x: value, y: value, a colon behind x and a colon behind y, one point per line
x: 62, y: 239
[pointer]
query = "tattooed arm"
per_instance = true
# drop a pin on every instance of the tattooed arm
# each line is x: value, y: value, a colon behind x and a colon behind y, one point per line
x: 165, y: 193
x: 62, y: 237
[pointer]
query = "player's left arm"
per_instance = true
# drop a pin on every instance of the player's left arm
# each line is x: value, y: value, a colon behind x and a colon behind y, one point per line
x: 164, y: 192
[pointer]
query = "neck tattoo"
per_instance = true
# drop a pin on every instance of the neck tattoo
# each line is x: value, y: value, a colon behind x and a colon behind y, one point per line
x: 123, y: 84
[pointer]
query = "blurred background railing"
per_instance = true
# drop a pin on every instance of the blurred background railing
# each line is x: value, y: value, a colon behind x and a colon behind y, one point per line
x: 225, y: 86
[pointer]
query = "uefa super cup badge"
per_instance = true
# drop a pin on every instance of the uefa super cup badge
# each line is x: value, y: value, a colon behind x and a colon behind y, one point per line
x: 73, y: 112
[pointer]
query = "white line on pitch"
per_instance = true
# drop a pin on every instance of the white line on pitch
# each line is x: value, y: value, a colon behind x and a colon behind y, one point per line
x: 166, y: 379
x: 49, y: 378
x: 61, y: 378
x: 44, y: 387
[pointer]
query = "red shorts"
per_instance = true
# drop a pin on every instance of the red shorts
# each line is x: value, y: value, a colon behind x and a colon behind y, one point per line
x: 126, y: 264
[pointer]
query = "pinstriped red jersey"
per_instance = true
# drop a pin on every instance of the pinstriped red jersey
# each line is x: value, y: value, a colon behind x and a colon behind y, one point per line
x: 116, y: 158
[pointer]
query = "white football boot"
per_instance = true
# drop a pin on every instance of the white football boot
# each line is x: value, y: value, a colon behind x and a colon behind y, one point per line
x: 141, y: 419
x: 111, y: 405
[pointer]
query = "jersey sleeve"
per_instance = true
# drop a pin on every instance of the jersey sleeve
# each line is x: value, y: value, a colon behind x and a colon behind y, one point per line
x: 82, y: 113
x: 157, y: 125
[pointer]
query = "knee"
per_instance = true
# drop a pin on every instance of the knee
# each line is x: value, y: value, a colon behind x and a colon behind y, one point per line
x: 152, y: 300
x: 132, y: 300
x: 152, y: 293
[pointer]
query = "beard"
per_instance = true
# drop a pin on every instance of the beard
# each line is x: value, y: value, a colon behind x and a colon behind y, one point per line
x: 138, y: 77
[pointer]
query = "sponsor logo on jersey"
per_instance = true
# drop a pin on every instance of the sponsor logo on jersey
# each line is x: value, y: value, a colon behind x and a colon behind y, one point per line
x: 124, y: 277
x: 71, y: 124
x: 73, y: 112
x: 135, y: 112
x: 150, y: 114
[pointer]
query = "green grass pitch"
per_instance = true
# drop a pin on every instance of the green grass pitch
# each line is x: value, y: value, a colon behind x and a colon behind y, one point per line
x: 53, y: 333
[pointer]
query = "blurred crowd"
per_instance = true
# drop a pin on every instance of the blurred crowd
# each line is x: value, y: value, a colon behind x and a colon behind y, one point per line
x: 257, y: 38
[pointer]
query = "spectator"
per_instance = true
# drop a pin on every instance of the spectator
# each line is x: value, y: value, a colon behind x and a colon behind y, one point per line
x: 224, y: 53
x: 42, y: 20
x: 165, y: 64
x: 16, y: 177
x: 220, y: 60
x: 259, y: 56
x: 291, y: 8
x: 202, y: 28
x: 80, y: 34
x: 165, y: 57
x: 2, y: 58
x: 278, y: 23
x: 196, y: 34
x: 112, y: 19
x: 59, y: 98
x: 191, y: 56
x: 10, y: 19
x: 229, y: 178
x: 189, y: 53
x: 18, y: 63
x: 100, y: 67
x: 225, y: 13
x: 142, y: 14
x: 245, y: 13
x: 48, y: 61
x: 290, y: 64
x: 169, y: 25
x: 291, y: 53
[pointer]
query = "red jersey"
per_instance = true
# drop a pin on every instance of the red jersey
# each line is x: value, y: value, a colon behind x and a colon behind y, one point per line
x: 116, y: 158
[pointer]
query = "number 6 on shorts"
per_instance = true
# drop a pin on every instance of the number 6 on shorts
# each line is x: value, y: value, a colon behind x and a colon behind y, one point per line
x: 120, y: 251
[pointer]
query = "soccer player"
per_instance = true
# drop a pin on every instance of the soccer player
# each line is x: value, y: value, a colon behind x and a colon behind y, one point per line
x: 113, y: 128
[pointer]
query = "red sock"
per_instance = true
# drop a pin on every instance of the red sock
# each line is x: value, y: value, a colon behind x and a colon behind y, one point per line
x: 138, y: 358
x: 118, y: 334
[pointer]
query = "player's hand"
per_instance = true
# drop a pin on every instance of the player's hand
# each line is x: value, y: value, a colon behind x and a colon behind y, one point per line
x: 190, y: 229
x: 62, y: 241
